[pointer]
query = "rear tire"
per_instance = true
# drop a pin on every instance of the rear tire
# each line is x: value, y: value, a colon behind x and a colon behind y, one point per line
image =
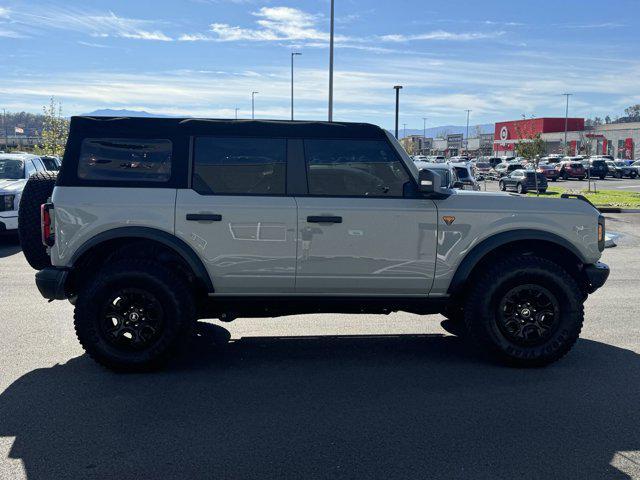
x: 38, y: 189
x: 518, y: 331
x: 132, y: 315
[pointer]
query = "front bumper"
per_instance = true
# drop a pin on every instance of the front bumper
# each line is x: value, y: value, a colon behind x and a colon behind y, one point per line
x: 51, y: 282
x: 596, y: 275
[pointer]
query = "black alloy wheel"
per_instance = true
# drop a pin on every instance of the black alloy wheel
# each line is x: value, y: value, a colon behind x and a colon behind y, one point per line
x: 132, y: 319
x: 528, y: 314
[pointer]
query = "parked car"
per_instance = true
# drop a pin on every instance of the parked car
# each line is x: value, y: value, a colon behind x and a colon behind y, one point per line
x: 225, y: 219
x: 464, y: 172
x: 446, y: 171
x: 482, y: 168
x: 15, y: 170
x: 507, y: 167
x: 549, y: 171
x: 551, y: 159
x: 619, y: 169
x: 571, y: 169
x: 523, y: 181
x: 636, y: 165
x: 596, y: 167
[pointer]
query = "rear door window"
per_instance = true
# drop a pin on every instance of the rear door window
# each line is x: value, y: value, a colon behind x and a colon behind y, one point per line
x: 125, y: 159
x: 239, y: 166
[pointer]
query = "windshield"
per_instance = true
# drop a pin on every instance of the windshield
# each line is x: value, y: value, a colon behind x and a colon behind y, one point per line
x: 11, y: 169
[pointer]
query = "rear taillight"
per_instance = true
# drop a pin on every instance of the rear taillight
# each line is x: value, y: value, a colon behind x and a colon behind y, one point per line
x: 48, y: 237
x: 601, y: 233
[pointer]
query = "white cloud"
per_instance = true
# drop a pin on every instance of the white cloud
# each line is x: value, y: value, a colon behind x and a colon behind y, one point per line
x: 272, y: 24
x: 441, y: 35
x: 4, y: 12
x: 99, y: 25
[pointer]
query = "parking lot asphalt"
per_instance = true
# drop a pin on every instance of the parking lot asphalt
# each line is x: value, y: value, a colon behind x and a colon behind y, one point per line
x: 322, y: 396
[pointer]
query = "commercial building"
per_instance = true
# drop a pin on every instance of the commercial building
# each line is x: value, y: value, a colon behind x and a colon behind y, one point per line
x: 622, y: 140
x: 417, y: 144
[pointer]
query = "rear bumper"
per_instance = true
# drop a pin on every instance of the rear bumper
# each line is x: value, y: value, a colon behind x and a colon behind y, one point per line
x: 8, y: 223
x: 51, y: 282
x: 596, y: 275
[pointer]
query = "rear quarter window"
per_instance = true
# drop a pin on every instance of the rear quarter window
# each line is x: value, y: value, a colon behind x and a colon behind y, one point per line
x: 125, y: 159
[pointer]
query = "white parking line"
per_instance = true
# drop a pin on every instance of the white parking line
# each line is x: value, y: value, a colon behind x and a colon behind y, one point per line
x: 629, y: 186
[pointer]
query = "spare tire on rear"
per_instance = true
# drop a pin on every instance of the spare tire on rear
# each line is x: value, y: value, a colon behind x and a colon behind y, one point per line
x: 37, y: 191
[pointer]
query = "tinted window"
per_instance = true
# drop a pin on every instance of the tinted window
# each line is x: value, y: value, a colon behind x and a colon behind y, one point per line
x: 125, y: 159
x: 11, y: 169
x: 240, y: 166
x: 50, y: 163
x: 463, y: 173
x: 354, y: 168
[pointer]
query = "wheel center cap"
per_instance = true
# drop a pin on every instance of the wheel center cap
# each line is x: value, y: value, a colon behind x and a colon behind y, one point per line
x: 134, y: 316
x: 525, y: 312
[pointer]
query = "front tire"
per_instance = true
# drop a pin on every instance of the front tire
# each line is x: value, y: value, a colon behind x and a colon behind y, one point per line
x: 132, y: 315
x: 525, y: 310
x: 520, y: 188
x: 503, y: 187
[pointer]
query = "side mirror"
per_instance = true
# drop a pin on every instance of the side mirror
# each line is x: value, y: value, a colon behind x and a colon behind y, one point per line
x: 428, y: 181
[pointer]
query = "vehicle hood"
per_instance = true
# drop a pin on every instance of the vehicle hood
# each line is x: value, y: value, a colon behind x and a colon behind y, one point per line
x: 12, y: 186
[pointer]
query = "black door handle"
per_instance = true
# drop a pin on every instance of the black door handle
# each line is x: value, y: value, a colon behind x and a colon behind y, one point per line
x: 204, y: 217
x: 321, y: 219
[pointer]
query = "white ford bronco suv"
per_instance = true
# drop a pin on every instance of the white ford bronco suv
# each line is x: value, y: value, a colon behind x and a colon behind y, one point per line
x: 157, y: 222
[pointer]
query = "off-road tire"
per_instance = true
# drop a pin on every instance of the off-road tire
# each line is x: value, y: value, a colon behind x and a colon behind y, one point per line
x: 36, y: 192
x: 172, y: 294
x: 489, y: 288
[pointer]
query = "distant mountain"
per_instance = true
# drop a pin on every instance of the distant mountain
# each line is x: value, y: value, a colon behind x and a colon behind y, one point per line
x: 434, y: 132
x: 109, y: 112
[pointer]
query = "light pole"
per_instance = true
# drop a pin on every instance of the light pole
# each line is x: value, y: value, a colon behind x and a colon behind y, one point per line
x: 424, y: 133
x: 253, y: 105
x: 404, y: 130
x: 566, y: 122
x: 237, y: 112
x: 293, y: 54
x: 397, y: 89
x: 466, y: 143
x: 331, y: 65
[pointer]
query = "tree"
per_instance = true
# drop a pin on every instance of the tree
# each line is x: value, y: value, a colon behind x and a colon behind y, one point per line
x: 530, y: 144
x: 633, y: 111
x: 531, y: 148
x: 55, y: 129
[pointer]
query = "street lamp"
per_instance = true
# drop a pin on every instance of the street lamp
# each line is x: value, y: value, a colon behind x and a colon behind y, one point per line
x: 397, y: 89
x: 424, y: 133
x: 331, y: 66
x: 404, y: 128
x: 253, y: 105
x: 237, y: 112
x: 293, y: 54
x: 566, y: 122
x: 466, y: 143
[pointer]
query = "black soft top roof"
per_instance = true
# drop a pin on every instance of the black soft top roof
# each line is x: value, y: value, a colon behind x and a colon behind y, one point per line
x: 152, y: 126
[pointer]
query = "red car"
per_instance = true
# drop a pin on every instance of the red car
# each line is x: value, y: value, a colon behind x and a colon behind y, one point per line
x: 549, y: 171
x: 571, y: 169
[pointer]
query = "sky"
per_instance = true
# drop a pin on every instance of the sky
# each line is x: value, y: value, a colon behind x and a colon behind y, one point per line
x: 501, y: 59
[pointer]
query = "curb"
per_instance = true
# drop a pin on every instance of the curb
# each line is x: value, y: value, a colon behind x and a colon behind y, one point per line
x: 618, y: 210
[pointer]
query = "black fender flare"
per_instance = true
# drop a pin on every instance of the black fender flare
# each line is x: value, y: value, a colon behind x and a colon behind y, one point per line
x: 169, y: 240
x: 478, y: 252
